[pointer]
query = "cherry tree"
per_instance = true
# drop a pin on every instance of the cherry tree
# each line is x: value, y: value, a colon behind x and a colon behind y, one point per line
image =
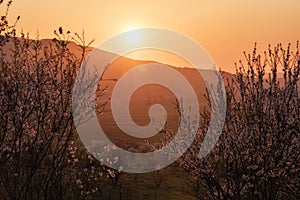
x: 257, y: 155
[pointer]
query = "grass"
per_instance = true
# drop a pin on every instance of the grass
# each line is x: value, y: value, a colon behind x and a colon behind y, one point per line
x: 168, y: 183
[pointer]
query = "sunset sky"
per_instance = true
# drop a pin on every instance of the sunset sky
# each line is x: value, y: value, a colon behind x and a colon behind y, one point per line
x: 224, y: 28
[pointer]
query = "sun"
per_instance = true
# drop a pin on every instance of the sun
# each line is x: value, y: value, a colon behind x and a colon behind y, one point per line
x: 132, y: 34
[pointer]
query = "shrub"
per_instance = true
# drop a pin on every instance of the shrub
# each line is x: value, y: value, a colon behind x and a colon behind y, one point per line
x: 37, y: 154
x: 257, y: 156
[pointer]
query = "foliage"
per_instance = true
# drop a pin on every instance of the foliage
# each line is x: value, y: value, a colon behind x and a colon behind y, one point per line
x: 257, y: 156
x: 38, y: 159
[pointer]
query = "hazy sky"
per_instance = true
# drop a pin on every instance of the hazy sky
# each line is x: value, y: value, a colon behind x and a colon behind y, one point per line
x: 224, y: 28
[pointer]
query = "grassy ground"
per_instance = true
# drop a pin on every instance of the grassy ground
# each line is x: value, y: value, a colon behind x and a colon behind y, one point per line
x: 168, y: 183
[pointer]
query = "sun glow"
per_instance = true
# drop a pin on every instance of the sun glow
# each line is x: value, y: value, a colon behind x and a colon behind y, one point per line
x: 133, y: 36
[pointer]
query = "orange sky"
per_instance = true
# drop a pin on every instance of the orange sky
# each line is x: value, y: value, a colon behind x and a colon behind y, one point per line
x: 223, y: 28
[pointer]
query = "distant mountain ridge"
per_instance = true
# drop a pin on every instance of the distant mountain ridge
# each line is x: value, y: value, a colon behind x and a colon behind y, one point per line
x: 144, y: 97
